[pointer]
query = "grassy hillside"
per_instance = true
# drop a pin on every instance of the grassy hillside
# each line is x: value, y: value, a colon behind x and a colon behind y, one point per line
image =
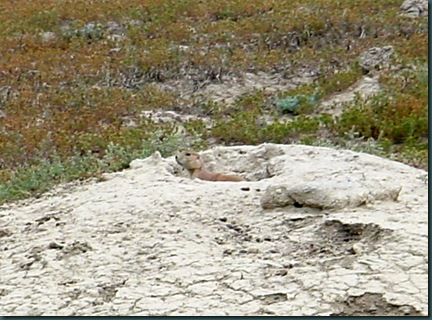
x: 73, y: 73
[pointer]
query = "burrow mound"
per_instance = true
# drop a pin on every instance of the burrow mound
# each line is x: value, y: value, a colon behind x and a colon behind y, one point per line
x: 253, y: 163
x: 304, y: 176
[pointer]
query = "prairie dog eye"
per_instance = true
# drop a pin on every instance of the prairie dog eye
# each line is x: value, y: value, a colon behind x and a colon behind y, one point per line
x: 188, y: 154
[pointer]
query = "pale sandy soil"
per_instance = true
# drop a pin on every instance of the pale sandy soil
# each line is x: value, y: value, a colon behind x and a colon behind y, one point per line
x: 346, y: 233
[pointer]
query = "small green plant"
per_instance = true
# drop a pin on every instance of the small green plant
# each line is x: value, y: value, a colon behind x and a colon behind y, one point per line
x: 339, y: 81
x: 256, y: 100
x: 299, y: 100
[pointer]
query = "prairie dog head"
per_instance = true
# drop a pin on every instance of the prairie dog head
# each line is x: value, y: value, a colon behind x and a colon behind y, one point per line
x: 189, y: 160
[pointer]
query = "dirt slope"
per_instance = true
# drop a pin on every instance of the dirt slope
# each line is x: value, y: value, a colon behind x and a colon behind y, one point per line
x: 315, y: 231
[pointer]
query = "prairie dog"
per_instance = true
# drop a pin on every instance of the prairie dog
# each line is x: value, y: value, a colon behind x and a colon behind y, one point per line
x: 193, y: 163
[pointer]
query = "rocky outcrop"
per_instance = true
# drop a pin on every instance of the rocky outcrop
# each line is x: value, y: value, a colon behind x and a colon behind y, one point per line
x: 414, y: 8
x: 376, y: 58
x: 327, y: 194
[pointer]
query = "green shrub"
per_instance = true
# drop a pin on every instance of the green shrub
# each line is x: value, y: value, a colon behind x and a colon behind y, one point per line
x: 35, y: 179
x: 395, y: 116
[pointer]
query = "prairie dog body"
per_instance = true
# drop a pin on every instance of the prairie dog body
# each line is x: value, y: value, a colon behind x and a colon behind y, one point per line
x: 193, y: 163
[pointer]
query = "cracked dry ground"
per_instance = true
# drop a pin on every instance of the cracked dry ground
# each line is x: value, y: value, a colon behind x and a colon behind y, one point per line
x: 146, y: 242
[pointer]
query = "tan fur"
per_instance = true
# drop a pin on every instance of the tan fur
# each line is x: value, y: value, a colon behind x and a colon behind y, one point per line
x: 193, y: 163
